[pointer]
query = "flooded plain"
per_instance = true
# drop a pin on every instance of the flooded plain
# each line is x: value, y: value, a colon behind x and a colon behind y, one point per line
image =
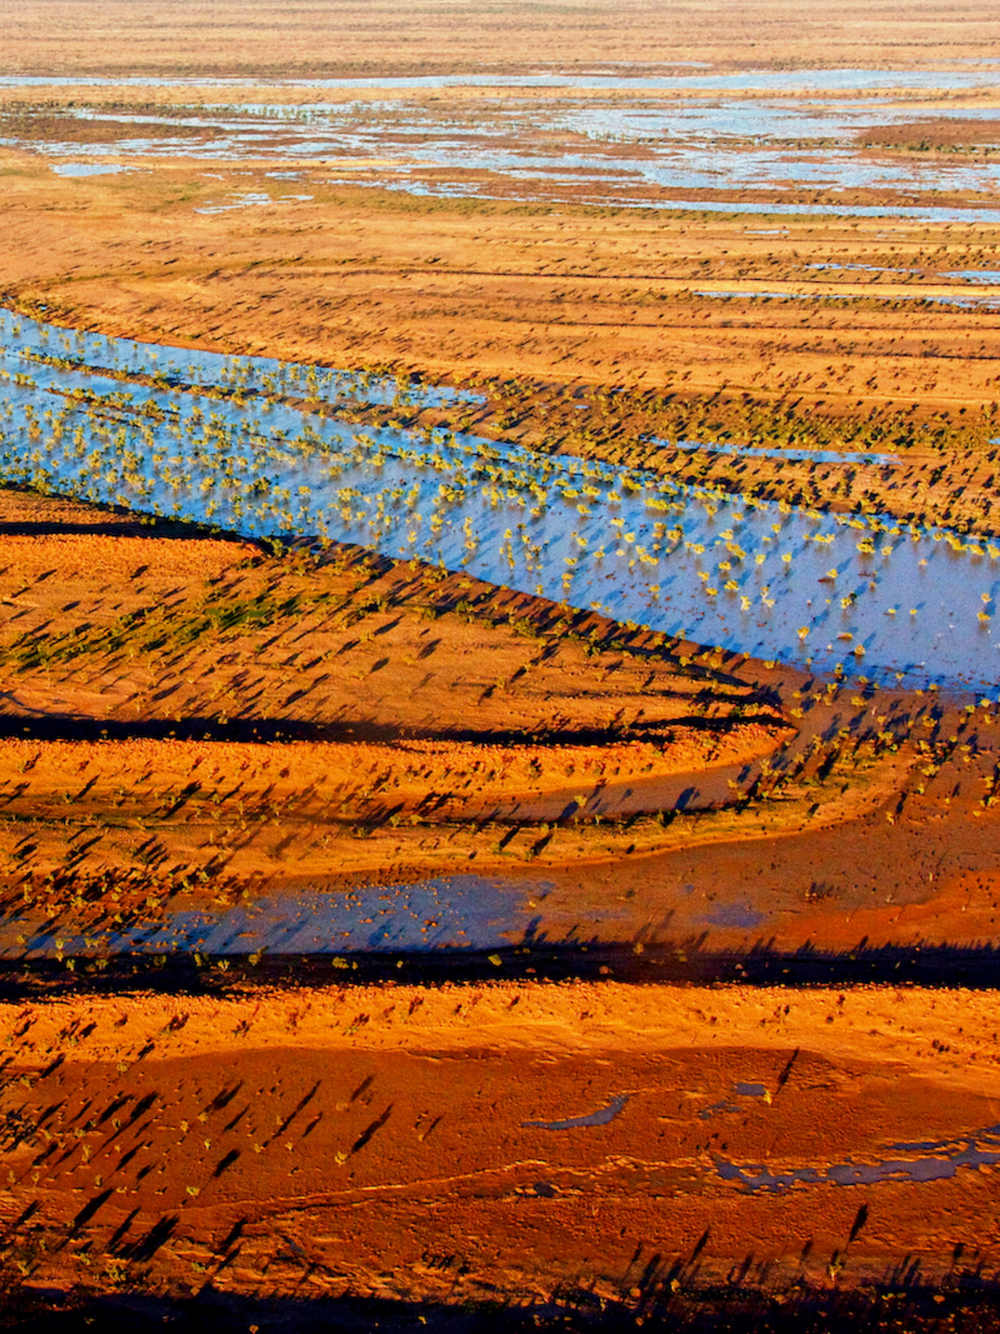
x: 810, y: 141
x: 227, y: 442
x: 340, y: 893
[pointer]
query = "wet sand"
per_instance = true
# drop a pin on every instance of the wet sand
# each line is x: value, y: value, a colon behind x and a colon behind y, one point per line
x: 599, y: 354
x: 599, y: 1020
x: 387, y: 1142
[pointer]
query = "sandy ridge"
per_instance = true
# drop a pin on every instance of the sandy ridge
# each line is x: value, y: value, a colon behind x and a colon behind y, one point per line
x: 862, y: 1023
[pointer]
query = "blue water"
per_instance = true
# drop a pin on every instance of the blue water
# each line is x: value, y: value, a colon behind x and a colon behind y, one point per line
x: 225, y: 441
x: 466, y: 912
x: 777, y: 81
x: 928, y: 1160
x: 846, y: 457
x: 603, y: 1117
x: 784, y: 134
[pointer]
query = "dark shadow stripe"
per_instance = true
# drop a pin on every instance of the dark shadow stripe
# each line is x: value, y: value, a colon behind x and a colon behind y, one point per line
x: 690, y: 964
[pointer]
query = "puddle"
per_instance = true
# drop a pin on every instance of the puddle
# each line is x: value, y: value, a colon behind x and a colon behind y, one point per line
x: 776, y: 132
x: 872, y: 595
x: 988, y: 276
x: 973, y: 277
x: 600, y: 1118
x: 452, y: 913
x: 920, y: 1162
x: 742, y: 915
x: 88, y: 168
x: 82, y: 356
x: 799, y: 455
x: 251, y: 199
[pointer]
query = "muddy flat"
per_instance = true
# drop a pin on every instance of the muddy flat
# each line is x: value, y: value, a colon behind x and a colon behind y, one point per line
x: 469, y: 1138
x: 498, y: 696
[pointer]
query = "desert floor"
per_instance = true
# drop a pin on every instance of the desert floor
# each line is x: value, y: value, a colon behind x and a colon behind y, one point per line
x: 383, y: 946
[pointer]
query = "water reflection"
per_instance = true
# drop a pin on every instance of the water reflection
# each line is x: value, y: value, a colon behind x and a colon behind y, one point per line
x: 932, y: 1160
x: 672, y: 136
x: 226, y: 441
x: 467, y: 912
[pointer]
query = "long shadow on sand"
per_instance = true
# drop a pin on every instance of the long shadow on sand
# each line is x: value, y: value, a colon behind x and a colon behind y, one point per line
x: 67, y: 727
x: 669, y: 1299
x: 689, y: 962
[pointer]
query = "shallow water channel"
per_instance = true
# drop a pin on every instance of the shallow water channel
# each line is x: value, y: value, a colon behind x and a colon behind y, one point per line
x: 926, y: 1160
x: 225, y: 441
x: 466, y: 912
